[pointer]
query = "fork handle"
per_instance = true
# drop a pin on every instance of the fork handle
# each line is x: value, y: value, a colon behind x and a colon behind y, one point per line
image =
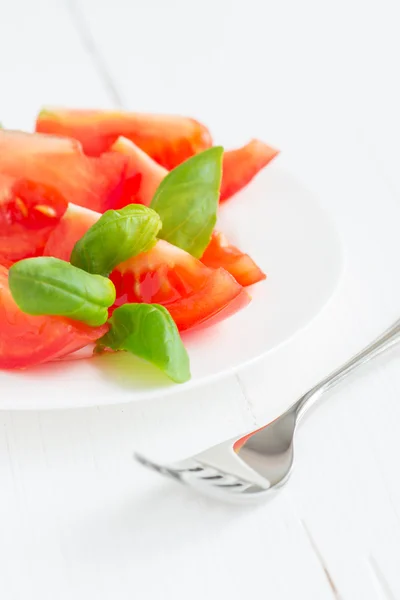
x: 385, y: 341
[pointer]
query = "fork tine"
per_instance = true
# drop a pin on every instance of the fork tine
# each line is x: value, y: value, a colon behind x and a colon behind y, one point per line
x: 208, y: 479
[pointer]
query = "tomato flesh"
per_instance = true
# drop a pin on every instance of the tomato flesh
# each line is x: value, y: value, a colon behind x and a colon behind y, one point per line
x: 242, y: 164
x: 29, y: 211
x: 30, y: 340
x: 220, y: 253
x: 13, y: 142
x: 74, y: 224
x: 59, y: 163
x: 167, y: 275
x: 168, y: 139
x: 143, y: 175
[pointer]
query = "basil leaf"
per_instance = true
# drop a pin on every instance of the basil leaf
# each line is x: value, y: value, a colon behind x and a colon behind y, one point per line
x: 187, y: 201
x: 49, y: 286
x: 148, y: 331
x: 115, y: 237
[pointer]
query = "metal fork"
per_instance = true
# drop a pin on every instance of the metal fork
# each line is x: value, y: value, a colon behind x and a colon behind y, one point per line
x: 251, y: 467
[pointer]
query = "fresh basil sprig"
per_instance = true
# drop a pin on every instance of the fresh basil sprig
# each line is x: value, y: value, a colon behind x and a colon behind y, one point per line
x: 115, y: 237
x: 49, y: 286
x: 148, y: 331
x: 187, y: 201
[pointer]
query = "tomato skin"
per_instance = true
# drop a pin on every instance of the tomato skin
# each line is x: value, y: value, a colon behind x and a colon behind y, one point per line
x: 242, y: 164
x: 143, y: 175
x: 220, y: 253
x: 168, y: 139
x: 29, y: 211
x: 60, y: 164
x: 237, y: 304
x: 167, y: 275
x: 27, y: 340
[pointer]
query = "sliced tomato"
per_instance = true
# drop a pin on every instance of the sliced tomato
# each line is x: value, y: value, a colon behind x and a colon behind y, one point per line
x: 167, y: 275
x: 242, y: 164
x: 95, y: 183
x: 191, y: 291
x: 74, y: 224
x: 26, y: 340
x: 29, y: 211
x: 143, y: 175
x: 220, y: 253
x: 168, y: 139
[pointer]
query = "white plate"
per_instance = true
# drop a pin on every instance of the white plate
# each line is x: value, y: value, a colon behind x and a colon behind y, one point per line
x: 278, y: 222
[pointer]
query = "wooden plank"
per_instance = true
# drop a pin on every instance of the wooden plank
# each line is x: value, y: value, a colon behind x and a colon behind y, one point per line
x: 43, y: 61
x: 80, y: 519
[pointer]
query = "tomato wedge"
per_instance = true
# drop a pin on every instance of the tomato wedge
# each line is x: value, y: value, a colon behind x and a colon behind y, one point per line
x: 168, y: 139
x: 242, y: 164
x: 29, y: 211
x: 220, y: 253
x: 167, y: 275
x: 27, y: 340
x: 59, y: 163
x: 143, y: 175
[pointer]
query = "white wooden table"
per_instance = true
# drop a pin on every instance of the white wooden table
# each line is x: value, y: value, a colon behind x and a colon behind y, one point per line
x: 80, y: 520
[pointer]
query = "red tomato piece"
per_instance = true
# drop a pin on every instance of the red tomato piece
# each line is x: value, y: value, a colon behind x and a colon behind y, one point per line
x: 27, y: 340
x: 29, y: 211
x: 143, y: 175
x: 168, y: 139
x: 242, y: 164
x: 74, y: 224
x: 167, y: 275
x: 220, y: 253
x: 191, y: 291
x: 59, y: 163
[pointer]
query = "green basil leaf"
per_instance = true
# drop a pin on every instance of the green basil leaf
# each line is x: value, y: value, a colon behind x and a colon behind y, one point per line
x: 115, y: 237
x: 187, y: 201
x: 148, y: 331
x: 49, y: 286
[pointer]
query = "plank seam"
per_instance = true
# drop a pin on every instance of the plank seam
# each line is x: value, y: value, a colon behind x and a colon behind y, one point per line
x: 97, y: 59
